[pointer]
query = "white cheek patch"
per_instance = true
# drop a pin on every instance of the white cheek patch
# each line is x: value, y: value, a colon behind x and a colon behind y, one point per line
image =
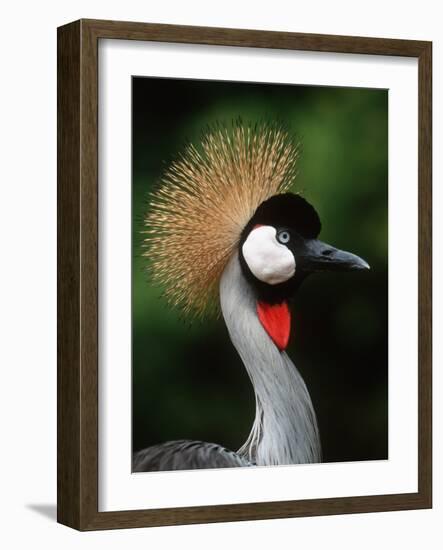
x: 268, y: 260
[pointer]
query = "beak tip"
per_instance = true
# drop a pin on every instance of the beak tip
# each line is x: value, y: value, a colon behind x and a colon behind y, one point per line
x: 364, y: 266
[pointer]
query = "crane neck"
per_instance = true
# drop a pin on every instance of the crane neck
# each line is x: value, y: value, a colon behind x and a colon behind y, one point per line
x: 285, y: 426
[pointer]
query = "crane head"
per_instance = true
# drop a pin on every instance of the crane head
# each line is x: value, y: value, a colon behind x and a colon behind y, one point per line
x: 279, y: 247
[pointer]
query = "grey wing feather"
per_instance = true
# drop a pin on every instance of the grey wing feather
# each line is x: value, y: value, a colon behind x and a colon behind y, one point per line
x: 185, y: 455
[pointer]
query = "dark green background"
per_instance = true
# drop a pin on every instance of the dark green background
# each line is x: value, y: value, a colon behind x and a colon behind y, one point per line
x: 188, y: 381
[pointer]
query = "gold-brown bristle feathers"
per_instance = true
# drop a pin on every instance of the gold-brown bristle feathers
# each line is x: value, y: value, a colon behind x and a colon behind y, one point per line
x: 204, y: 201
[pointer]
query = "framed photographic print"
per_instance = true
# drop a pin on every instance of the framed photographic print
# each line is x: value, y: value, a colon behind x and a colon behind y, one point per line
x: 244, y: 275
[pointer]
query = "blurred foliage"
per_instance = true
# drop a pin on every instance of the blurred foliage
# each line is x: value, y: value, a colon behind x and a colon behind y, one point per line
x: 188, y: 381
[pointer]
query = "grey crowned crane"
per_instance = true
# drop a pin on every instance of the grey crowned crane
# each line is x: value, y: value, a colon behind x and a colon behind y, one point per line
x: 223, y: 230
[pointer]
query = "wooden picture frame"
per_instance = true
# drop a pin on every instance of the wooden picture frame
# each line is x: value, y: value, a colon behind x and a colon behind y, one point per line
x: 78, y: 274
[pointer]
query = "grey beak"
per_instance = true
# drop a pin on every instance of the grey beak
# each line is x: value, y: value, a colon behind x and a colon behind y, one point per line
x: 319, y: 256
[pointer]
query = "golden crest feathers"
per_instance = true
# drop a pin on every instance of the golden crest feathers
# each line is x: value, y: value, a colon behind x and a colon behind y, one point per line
x: 204, y: 200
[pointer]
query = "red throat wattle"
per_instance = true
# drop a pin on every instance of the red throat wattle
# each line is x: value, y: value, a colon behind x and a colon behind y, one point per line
x: 276, y: 320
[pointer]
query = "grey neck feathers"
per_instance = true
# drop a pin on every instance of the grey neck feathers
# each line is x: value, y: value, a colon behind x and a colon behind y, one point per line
x: 285, y: 426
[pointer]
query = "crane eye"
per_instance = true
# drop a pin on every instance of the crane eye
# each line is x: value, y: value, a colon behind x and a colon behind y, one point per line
x: 283, y: 237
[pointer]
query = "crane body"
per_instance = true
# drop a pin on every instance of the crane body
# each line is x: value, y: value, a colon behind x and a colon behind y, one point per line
x: 225, y: 227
